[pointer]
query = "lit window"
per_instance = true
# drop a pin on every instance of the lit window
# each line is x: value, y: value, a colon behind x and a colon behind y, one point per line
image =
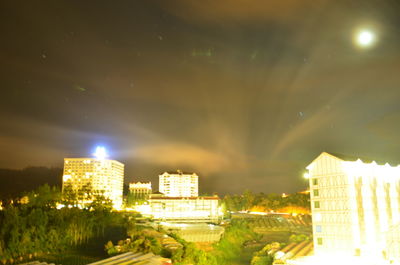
x: 318, y: 228
x: 316, y: 204
x: 319, y: 241
x: 316, y: 192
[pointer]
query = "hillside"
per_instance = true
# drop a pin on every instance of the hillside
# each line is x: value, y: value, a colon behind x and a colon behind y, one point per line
x: 16, y: 181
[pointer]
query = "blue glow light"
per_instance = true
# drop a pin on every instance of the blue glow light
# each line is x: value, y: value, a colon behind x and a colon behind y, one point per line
x: 100, y: 152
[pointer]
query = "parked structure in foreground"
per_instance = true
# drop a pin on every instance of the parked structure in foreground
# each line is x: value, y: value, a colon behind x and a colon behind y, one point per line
x: 101, y: 175
x: 355, y: 208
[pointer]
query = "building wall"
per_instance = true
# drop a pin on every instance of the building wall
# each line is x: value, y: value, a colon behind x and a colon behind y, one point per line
x: 354, y: 204
x: 393, y: 243
x: 99, y: 174
x: 330, y: 205
x: 140, y: 190
x: 200, y: 208
x: 179, y: 184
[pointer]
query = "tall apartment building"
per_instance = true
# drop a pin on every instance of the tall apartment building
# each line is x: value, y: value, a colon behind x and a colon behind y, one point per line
x: 356, y: 207
x: 101, y: 175
x: 179, y: 184
x: 140, y: 190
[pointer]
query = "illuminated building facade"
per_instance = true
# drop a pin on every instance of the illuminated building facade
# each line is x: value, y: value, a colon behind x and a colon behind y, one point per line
x: 140, y: 190
x: 356, y: 208
x: 97, y: 174
x: 179, y: 184
x: 185, y: 208
x: 177, y: 200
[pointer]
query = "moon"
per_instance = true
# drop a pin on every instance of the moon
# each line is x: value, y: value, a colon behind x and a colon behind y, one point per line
x: 365, y: 38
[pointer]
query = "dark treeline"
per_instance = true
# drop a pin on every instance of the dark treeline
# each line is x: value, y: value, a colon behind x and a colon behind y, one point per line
x: 37, y: 227
x: 16, y: 181
x: 248, y: 201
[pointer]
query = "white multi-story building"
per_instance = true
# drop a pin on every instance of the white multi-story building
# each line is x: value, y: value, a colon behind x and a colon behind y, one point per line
x: 355, y: 205
x: 178, y: 200
x: 99, y: 174
x: 179, y: 184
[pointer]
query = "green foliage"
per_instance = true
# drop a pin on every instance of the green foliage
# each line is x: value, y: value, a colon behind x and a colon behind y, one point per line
x: 95, y: 198
x: 190, y: 254
x: 44, y: 197
x: 274, y: 246
x: 298, y: 238
x: 266, y: 255
x: 110, y: 248
x: 140, y: 239
x: 37, y: 227
x: 249, y: 200
x: 262, y: 260
x: 231, y: 245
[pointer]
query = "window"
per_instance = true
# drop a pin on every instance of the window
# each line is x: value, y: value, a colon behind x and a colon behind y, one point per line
x: 315, y: 181
x: 316, y: 192
x: 317, y: 217
x: 319, y: 241
x: 316, y: 204
x: 318, y: 228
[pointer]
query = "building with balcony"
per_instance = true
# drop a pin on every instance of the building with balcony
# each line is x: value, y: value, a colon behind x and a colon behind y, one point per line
x: 355, y: 206
x: 179, y: 184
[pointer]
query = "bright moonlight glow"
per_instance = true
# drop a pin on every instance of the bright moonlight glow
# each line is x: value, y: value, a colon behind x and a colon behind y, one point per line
x: 100, y: 152
x: 365, y: 38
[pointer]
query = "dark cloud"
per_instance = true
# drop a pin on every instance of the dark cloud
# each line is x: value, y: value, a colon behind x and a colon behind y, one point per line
x: 229, y: 11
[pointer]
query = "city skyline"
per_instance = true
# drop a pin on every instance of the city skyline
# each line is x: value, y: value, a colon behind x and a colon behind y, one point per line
x: 230, y: 91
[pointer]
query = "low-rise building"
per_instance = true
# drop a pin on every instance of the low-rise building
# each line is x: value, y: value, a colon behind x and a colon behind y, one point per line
x: 185, y: 208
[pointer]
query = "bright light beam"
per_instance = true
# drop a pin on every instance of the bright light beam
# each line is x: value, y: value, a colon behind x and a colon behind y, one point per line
x: 100, y: 153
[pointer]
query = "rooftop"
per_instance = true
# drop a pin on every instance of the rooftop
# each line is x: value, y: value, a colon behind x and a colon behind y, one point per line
x: 180, y: 172
x: 186, y: 198
x: 366, y: 160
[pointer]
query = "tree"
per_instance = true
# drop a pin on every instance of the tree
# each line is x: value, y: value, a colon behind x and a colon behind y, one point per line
x: 44, y: 197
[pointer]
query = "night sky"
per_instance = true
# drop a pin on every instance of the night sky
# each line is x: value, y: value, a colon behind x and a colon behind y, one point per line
x: 245, y: 93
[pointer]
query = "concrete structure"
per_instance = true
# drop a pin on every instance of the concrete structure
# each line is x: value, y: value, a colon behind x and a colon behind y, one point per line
x: 195, y: 232
x: 99, y: 175
x: 179, y: 184
x: 184, y: 208
x: 133, y: 258
x: 140, y: 190
x: 355, y: 205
